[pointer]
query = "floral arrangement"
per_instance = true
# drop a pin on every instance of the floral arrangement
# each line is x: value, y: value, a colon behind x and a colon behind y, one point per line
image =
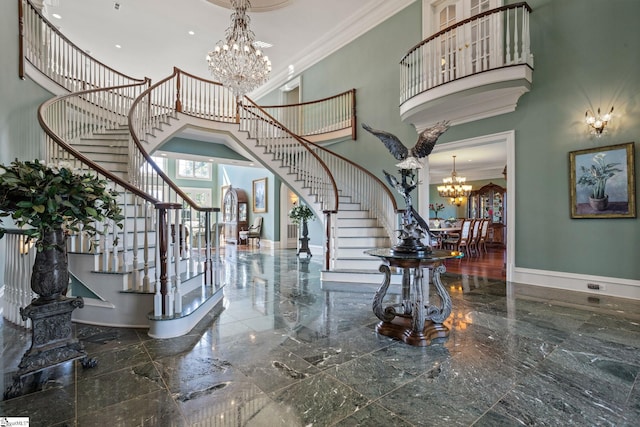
x: 300, y: 214
x: 53, y: 197
x: 436, y: 207
x: 597, y: 175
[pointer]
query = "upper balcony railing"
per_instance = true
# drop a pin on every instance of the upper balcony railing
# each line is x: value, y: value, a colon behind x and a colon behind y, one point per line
x: 494, y: 39
x: 319, y: 120
x: 50, y: 52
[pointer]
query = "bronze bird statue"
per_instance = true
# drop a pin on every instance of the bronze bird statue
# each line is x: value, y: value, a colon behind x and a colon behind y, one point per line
x: 423, y: 147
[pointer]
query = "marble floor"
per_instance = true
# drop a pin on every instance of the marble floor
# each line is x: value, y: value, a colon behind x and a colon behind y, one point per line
x: 285, y: 350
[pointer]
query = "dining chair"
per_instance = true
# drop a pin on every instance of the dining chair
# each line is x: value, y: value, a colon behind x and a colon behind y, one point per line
x: 474, y: 238
x: 484, y: 233
x: 460, y: 241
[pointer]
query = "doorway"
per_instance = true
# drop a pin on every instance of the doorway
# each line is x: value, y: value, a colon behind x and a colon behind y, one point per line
x: 504, y: 143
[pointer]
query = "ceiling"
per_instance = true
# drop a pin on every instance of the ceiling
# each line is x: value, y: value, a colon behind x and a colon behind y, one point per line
x: 146, y: 30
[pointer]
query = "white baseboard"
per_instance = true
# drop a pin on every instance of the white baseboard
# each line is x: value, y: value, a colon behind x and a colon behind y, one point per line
x: 610, y: 286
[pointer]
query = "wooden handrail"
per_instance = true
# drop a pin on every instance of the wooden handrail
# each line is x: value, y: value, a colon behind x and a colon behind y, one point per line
x: 464, y: 22
x: 363, y: 170
x: 316, y: 101
x: 57, y: 32
x: 147, y: 157
x: 93, y: 165
x: 302, y: 142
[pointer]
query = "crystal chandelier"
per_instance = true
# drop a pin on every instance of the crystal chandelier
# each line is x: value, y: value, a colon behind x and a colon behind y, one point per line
x: 235, y: 62
x: 454, y: 187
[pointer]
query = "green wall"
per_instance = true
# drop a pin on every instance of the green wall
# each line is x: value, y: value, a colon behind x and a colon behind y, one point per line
x: 242, y: 177
x: 20, y: 134
x: 587, y: 55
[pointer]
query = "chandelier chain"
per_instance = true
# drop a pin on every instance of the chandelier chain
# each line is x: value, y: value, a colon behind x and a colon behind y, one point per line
x: 236, y: 62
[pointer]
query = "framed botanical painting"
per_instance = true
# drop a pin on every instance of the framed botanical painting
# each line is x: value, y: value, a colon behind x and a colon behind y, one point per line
x: 603, y: 182
x: 260, y: 195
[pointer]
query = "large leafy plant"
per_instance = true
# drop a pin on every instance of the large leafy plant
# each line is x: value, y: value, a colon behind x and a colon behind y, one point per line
x: 301, y: 213
x: 52, y: 197
x: 597, y: 174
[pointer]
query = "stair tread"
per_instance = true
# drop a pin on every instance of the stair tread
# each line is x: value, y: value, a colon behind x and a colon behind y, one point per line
x: 191, y: 301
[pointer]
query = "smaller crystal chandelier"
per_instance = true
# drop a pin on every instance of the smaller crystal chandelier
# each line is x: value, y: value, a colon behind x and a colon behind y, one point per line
x: 454, y: 187
x: 235, y: 61
x: 597, y: 123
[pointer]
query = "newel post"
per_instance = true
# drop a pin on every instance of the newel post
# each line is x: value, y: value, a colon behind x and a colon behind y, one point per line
x: 178, y: 95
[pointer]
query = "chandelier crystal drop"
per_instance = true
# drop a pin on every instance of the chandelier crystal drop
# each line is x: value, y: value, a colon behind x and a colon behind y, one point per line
x: 236, y: 62
x: 454, y: 187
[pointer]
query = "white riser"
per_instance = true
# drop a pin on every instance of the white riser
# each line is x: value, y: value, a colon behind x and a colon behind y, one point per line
x: 103, y: 145
x: 109, y: 136
x: 360, y: 232
x: 357, y: 264
x: 353, y: 252
x: 350, y: 207
x: 357, y: 222
x: 360, y: 242
x: 115, y: 166
x: 352, y: 214
x: 106, y: 157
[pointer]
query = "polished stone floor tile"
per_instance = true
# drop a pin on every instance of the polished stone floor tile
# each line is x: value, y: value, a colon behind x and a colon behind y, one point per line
x: 320, y: 400
x: 152, y: 409
x: 285, y: 349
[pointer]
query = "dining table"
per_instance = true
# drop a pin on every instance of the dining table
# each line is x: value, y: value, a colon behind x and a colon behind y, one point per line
x: 444, y: 230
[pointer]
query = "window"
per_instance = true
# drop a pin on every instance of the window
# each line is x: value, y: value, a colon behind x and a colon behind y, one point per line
x: 161, y: 162
x: 202, y: 196
x: 194, y: 169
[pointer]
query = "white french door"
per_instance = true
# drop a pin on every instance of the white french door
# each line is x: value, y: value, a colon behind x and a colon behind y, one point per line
x: 470, y: 48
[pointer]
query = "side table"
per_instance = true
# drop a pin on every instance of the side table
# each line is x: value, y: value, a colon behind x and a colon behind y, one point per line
x: 415, y: 320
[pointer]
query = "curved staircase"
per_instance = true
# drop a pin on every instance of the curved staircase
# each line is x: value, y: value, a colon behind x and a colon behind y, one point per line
x: 155, y: 277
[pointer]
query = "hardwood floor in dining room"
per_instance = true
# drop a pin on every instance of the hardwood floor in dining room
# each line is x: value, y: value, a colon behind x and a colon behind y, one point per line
x: 491, y: 264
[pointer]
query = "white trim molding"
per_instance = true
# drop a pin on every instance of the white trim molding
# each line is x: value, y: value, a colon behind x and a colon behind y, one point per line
x: 609, y: 286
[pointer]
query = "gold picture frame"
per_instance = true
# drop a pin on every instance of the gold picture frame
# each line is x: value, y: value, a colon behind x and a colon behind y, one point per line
x: 603, y: 182
x: 260, y: 195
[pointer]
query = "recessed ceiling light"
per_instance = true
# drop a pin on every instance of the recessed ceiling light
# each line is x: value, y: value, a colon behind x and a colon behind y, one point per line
x: 55, y: 15
x: 191, y: 33
x: 118, y: 46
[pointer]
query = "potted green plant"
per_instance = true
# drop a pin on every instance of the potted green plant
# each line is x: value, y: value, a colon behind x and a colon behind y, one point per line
x: 595, y: 178
x: 300, y: 214
x: 52, y: 201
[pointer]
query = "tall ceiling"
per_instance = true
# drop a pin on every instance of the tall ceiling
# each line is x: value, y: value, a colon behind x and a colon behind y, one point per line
x: 155, y: 35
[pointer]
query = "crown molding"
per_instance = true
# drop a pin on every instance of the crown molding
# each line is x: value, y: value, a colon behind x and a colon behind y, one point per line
x: 360, y: 22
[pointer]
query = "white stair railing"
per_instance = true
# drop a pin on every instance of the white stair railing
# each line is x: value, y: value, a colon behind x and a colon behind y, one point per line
x: 333, y: 116
x: 490, y: 40
x: 49, y: 51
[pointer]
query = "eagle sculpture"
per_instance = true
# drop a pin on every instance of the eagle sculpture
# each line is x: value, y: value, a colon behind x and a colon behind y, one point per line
x: 414, y: 227
x: 423, y: 147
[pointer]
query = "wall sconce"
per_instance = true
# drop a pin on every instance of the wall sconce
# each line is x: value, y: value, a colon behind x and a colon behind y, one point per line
x: 597, y: 123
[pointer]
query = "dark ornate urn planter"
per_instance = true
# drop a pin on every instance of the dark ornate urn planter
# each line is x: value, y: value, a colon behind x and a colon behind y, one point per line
x: 50, y: 274
x: 52, y: 339
x: 304, y: 240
